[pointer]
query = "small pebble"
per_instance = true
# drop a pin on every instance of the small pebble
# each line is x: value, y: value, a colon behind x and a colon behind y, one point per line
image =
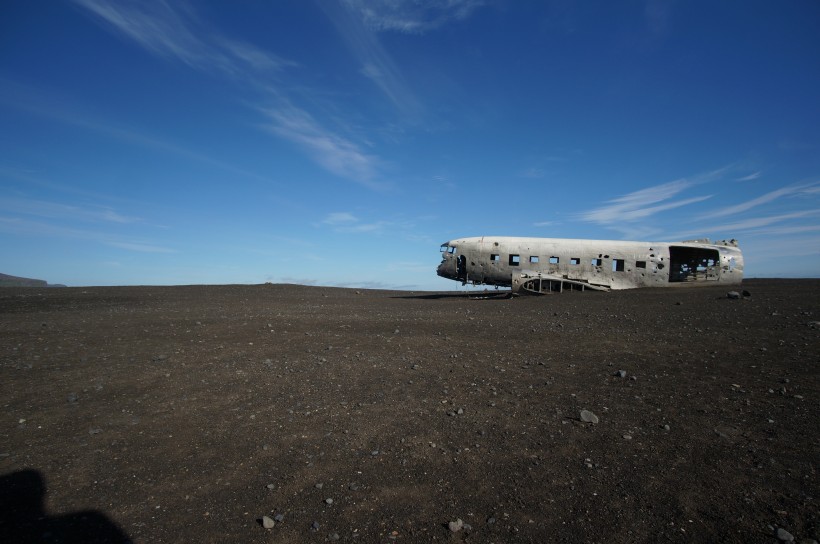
x: 315, y: 525
x: 784, y: 535
x: 267, y: 522
x: 328, y: 501
x: 279, y: 518
x: 588, y: 417
x: 455, y: 526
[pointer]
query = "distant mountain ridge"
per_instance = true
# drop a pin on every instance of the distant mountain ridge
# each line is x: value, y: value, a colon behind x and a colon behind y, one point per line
x: 16, y: 281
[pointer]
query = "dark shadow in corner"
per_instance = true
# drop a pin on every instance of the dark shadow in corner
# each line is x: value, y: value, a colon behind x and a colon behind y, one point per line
x: 471, y: 295
x: 23, y: 518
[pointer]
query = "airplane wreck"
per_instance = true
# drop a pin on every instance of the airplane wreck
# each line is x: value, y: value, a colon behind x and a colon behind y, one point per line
x: 546, y: 265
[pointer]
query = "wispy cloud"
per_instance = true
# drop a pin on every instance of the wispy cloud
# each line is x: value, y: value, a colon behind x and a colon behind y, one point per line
x: 642, y: 203
x: 763, y: 199
x: 336, y: 154
x: 375, y: 62
x: 543, y: 224
x: 340, y: 218
x: 175, y: 32
x: 411, y: 16
x: 348, y: 223
x: 140, y: 247
x: 24, y: 227
x: 750, y: 177
x: 533, y: 173
x: 53, y: 210
x: 755, y: 224
x: 647, y: 202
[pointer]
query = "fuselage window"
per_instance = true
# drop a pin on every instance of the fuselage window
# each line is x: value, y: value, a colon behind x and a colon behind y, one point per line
x: 640, y: 264
x: 574, y: 260
x: 451, y: 249
x: 495, y: 257
x: 515, y: 260
x: 553, y: 260
x: 597, y: 262
x: 617, y: 265
x: 533, y: 259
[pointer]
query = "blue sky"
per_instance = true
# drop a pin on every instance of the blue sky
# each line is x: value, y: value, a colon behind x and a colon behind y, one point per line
x: 341, y: 142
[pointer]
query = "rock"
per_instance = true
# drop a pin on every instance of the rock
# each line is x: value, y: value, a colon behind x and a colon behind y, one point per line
x: 783, y: 535
x: 460, y: 411
x: 267, y: 522
x: 71, y: 397
x: 319, y: 486
x: 334, y: 536
x: 734, y: 295
x: 666, y: 427
x: 328, y: 501
x: 588, y: 417
x: 279, y: 518
x: 620, y: 374
x: 315, y: 526
x: 455, y: 526
x: 270, y: 486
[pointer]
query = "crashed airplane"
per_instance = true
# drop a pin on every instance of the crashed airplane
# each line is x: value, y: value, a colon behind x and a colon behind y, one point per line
x: 545, y: 265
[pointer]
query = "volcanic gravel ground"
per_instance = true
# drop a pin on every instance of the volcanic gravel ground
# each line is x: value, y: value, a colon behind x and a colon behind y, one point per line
x: 187, y: 414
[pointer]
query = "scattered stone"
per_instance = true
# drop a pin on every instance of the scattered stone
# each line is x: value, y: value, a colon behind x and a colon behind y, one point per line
x: 279, y: 518
x: 666, y: 427
x: 783, y: 535
x: 319, y: 486
x: 315, y: 526
x: 490, y: 521
x: 374, y: 453
x: 334, y: 536
x: 416, y: 367
x: 267, y: 522
x: 588, y: 417
x: 456, y: 526
x: 94, y: 431
x: 328, y: 501
x: 621, y: 374
x: 71, y: 397
x: 627, y: 437
x: 270, y: 486
x: 460, y: 411
x: 733, y: 295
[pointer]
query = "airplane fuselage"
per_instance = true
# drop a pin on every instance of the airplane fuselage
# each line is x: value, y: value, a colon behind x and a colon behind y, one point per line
x: 539, y: 264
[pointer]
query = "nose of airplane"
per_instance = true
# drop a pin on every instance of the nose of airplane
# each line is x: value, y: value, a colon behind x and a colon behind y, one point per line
x: 446, y: 269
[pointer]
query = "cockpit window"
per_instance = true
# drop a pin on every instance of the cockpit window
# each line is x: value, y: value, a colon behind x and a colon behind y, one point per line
x: 447, y: 249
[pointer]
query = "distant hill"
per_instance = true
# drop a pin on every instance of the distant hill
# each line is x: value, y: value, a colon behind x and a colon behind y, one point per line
x: 15, y: 281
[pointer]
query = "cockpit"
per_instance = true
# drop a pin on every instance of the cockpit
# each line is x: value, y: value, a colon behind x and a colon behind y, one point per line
x: 453, y: 266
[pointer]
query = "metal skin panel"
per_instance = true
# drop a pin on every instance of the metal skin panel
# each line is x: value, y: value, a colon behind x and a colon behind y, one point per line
x: 523, y: 263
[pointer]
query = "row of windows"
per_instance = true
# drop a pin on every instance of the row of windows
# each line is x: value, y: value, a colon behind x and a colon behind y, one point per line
x: 618, y: 265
